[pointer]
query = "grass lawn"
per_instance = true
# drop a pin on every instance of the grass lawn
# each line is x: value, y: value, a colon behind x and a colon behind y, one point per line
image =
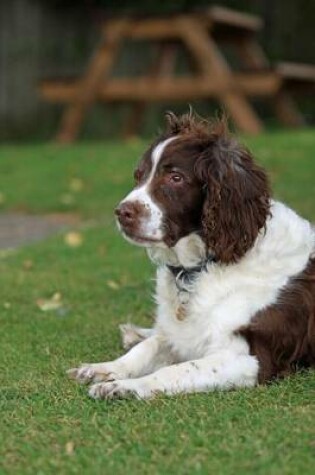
x: 48, y: 424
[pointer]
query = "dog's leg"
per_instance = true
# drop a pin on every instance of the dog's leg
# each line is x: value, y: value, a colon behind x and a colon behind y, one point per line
x: 221, y: 371
x: 147, y: 356
x: 131, y: 334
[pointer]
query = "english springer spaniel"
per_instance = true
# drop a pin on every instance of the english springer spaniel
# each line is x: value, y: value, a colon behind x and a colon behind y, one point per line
x: 235, y: 287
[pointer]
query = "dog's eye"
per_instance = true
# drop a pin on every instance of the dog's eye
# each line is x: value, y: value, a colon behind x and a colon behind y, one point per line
x: 176, y: 178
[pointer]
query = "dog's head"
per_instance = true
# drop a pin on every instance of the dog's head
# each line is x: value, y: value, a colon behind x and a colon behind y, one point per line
x: 196, y: 178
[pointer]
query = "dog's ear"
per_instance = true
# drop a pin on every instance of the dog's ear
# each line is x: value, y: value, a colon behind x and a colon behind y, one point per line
x: 236, y: 202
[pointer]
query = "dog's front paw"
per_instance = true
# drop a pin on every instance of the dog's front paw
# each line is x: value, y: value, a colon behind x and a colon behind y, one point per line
x: 88, y: 373
x: 118, y: 390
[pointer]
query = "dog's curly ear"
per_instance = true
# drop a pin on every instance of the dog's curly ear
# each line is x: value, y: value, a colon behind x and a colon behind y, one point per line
x: 237, y: 197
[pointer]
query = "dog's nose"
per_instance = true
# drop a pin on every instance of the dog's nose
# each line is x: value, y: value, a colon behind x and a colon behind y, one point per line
x: 125, y: 213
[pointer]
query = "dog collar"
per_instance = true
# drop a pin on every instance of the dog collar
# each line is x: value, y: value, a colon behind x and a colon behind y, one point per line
x: 186, y: 275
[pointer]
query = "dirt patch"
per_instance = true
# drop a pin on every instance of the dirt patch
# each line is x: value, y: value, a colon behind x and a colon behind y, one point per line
x: 17, y: 229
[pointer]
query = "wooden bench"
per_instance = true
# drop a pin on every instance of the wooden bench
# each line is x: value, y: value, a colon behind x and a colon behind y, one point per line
x: 212, y: 77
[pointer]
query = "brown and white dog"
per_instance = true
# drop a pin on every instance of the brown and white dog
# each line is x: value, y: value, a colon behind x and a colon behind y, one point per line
x: 235, y: 286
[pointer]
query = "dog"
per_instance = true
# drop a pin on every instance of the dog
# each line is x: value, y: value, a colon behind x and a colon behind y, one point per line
x: 235, y: 286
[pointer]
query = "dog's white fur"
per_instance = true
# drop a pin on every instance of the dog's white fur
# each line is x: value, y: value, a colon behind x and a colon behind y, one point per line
x: 200, y: 350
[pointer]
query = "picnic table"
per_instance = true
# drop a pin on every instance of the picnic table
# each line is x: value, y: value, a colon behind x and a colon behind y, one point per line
x: 204, y: 36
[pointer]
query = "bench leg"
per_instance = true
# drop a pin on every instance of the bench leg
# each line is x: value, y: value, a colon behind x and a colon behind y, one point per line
x: 213, y: 66
x: 287, y: 111
x: 97, y: 71
x: 253, y: 56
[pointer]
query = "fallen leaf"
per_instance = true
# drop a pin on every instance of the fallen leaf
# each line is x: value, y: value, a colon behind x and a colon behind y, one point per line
x: 67, y: 199
x: 47, y: 305
x: 73, y: 239
x: 28, y: 264
x: 69, y: 447
x: 76, y: 185
x: 57, y: 297
x: 113, y: 285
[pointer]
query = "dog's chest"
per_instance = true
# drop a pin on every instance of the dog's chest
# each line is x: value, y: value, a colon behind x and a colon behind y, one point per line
x: 189, y: 318
x: 206, y: 318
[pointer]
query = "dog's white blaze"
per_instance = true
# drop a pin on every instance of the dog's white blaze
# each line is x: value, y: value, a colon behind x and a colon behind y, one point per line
x: 157, y: 154
x: 151, y: 227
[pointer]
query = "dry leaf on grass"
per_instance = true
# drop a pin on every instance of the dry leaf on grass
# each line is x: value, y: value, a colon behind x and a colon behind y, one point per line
x: 69, y: 447
x: 67, y: 199
x: 47, y: 305
x: 76, y: 185
x: 73, y: 239
x: 28, y: 264
x: 112, y: 284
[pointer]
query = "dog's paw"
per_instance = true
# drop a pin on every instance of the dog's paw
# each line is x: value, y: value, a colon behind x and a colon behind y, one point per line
x: 117, y: 390
x: 94, y: 372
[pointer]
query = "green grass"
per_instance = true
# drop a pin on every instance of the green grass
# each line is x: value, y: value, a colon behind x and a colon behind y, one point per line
x: 48, y: 424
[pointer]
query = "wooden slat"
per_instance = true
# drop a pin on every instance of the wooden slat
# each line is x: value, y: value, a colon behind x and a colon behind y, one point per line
x: 286, y: 110
x: 257, y: 84
x: 165, y: 89
x: 136, y: 90
x: 151, y: 90
x: 298, y: 72
x: 239, y: 22
x: 152, y: 29
x: 166, y: 27
x: 58, y: 91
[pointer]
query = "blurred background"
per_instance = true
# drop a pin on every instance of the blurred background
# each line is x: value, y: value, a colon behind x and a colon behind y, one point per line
x: 56, y: 38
